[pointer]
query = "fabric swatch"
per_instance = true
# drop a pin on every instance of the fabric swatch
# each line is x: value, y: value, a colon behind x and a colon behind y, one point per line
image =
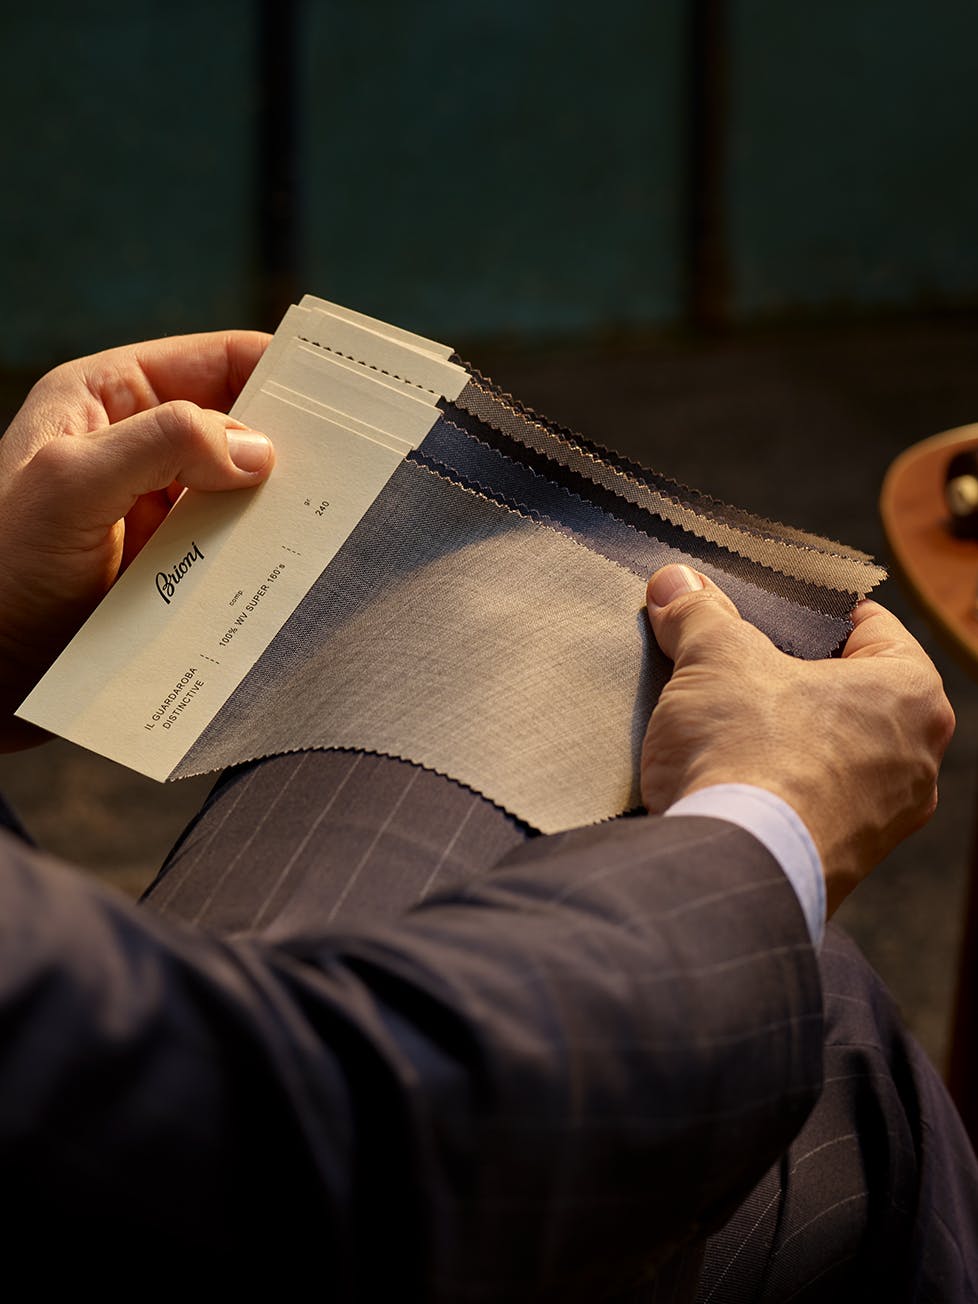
x: 485, y: 619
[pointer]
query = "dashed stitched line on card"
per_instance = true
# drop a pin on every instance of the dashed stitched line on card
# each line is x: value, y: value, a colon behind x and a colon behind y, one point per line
x: 370, y: 365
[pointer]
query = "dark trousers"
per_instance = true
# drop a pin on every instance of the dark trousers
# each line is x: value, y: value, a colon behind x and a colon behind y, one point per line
x: 877, y: 1198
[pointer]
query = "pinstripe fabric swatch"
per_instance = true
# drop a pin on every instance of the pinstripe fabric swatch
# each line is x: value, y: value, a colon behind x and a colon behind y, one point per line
x: 485, y: 619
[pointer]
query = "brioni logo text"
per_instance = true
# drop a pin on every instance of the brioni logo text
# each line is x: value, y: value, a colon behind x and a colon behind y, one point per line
x: 167, y: 581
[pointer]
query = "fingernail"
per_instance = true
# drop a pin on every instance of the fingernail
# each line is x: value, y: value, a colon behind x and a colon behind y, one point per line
x: 248, y: 450
x: 672, y: 582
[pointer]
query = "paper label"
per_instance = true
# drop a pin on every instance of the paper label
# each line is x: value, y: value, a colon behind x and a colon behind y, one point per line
x: 217, y: 581
x: 180, y: 630
x: 344, y: 398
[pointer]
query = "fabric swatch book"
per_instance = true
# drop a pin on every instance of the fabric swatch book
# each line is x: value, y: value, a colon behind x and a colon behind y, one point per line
x: 433, y: 572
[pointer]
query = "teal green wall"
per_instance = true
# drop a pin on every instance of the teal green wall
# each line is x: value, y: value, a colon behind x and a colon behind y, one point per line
x: 513, y: 169
x: 125, y: 169
x: 853, y: 136
x: 510, y: 167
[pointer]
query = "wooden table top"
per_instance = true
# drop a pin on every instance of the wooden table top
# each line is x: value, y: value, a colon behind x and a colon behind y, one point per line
x: 940, y: 571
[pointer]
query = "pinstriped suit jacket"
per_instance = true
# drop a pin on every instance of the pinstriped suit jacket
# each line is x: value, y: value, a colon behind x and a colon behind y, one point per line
x: 537, y: 1087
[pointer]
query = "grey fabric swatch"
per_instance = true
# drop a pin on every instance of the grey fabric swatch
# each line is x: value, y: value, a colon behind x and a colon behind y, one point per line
x: 485, y: 619
x: 802, y: 628
x: 453, y: 632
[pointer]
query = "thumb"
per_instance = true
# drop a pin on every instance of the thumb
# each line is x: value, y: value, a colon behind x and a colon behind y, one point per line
x: 685, y: 609
x: 102, y: 473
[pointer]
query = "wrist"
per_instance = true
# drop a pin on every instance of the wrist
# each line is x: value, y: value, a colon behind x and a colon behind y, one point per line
x: 836, y: 842
x: 779, y: 828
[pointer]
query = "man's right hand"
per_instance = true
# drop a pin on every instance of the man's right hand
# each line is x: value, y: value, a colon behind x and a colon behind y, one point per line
x: 90, y: 467
x: 853, y: 745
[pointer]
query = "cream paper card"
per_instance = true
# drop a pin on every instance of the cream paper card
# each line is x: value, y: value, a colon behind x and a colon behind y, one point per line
x: 194, y: 612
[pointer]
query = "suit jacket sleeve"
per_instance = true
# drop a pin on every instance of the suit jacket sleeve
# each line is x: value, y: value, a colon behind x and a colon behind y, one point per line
x: 536, y: 1088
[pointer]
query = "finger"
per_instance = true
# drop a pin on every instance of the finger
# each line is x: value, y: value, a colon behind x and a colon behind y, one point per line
x: 94, y: 480
x: 104, y: 388
x: 208, y: 369
x: 685, y: 608
x: 877, y: 632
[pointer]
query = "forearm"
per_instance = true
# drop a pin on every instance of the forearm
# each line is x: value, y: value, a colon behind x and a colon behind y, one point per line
x: 537, y: 1084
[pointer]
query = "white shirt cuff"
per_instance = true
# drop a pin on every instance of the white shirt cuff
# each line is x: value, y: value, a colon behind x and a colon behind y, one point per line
x: 776, y: 826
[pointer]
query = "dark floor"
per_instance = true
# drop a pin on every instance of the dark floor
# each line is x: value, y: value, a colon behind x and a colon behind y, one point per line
x: 799, y: 425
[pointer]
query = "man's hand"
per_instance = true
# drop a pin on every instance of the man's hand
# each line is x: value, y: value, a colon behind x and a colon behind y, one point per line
x: 88, y: 469
x: 853, y: 745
